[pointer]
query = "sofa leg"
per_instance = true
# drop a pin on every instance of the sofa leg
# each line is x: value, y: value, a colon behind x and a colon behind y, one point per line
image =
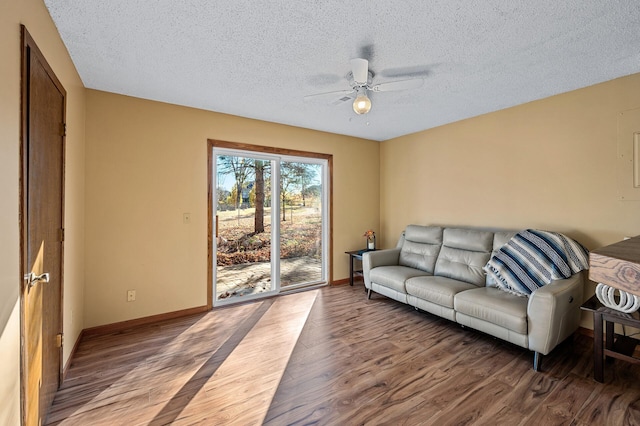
x: 369, y: 294
x: 537, y: 360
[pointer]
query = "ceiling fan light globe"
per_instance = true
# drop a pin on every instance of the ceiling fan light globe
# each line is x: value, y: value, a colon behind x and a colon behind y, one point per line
x: 361, y: 104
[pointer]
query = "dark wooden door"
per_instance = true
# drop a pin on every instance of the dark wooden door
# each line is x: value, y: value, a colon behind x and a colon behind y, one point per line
x: 43, y: 128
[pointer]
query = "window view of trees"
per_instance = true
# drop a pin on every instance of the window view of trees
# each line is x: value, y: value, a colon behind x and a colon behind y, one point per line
x: 244, y: 202
x: 261, y: 194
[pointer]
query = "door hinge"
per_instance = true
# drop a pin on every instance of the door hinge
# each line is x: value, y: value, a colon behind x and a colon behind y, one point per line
x: 59, y: 340
x: 63, y: 129
x: 61, y: 234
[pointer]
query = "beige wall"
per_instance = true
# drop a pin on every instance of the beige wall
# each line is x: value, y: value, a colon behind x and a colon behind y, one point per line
x: 34, y: 15
x: 147, y: 165
x: 549, y: 164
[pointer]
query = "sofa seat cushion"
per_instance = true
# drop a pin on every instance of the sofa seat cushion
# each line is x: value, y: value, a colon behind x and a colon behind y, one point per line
x: 438, y: 290
x: 394, y: 276
x: 495, y: 306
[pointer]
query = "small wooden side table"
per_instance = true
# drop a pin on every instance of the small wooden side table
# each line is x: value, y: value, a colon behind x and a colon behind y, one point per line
x: 605, y: 342
x: 353, y: 256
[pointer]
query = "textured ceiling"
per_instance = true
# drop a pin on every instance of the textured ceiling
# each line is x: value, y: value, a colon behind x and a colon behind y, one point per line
x: 259, y: 59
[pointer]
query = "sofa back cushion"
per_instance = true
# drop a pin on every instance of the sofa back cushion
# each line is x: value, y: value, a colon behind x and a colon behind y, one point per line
x: 420, y: 247
x: 463, y: 255
x: 500, y: 238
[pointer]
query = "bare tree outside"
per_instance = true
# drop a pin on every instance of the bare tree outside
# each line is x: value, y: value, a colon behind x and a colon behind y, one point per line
x: 241, y: 168
x: 259, y: 197
x: 289, y: 181
x: 307, y: 175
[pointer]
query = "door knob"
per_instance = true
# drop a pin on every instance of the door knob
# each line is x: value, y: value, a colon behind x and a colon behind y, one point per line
x: 33, y: 279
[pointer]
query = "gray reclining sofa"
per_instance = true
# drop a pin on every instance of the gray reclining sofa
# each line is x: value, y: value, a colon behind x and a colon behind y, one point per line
x: 440, y: 271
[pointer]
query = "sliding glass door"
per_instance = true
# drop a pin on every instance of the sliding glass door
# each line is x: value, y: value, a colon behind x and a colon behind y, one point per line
x: 301, y: 223
x: 243, y: 226
x: 271, y: 227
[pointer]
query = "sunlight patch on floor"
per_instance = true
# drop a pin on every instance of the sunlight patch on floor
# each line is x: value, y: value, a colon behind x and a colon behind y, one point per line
x: 223, y: 369
x: 244, y: 385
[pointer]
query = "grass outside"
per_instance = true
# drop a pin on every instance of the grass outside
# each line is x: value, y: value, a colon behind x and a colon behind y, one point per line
x: 300, y: 235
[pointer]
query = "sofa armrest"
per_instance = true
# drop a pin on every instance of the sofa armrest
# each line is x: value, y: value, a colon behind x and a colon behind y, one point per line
x: 554, y: 313
x: 373, y: 259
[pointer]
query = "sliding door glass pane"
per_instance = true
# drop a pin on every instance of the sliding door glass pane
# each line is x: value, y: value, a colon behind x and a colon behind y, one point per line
x: 301, y: 220
x: 243, y: 227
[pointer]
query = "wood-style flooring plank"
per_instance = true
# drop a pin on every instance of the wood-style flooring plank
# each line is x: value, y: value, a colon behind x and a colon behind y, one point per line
x: 333, y: 357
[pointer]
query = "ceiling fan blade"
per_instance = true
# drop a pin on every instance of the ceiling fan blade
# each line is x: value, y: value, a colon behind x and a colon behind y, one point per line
x: 333, y: 98
x: 413, y: 83
x: 360, y: 71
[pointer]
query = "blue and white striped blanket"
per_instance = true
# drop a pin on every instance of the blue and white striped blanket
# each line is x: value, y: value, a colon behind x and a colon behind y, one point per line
x: 533, y: 258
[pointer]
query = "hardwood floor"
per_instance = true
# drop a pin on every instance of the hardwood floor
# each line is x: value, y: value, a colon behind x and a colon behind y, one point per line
x: 332, y: 357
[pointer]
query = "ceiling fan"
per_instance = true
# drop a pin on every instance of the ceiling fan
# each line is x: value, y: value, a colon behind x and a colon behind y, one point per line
x: 360, y: 79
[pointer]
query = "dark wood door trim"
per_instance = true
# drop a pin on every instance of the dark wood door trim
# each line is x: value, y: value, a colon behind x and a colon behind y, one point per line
x: 28, y: 48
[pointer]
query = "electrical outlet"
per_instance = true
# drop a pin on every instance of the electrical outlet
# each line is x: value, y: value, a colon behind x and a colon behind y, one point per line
x: 131, y: 295
x: 186, y: 218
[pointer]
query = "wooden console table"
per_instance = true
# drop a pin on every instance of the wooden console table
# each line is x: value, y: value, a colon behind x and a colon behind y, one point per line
x: 605, y: 342
x: 616, y: 265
